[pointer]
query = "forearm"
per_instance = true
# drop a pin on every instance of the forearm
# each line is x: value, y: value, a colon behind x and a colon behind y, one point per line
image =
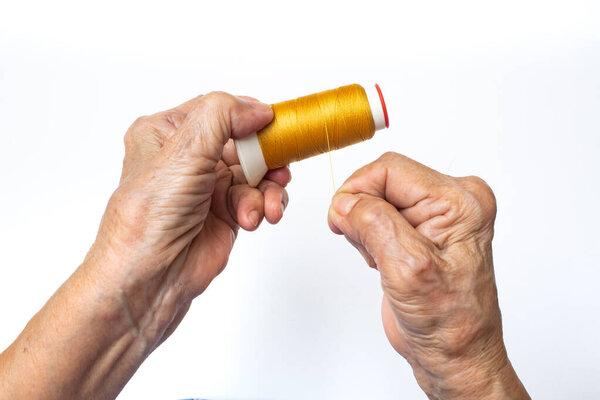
x: 83, y: 344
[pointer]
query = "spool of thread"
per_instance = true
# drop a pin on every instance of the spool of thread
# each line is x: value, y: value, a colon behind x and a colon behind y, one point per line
x: 312, y: 125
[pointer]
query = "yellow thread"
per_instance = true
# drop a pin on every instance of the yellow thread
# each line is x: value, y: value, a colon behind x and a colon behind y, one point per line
x: 330, y: 160
x: 317, y: 123
x: 330, y: 163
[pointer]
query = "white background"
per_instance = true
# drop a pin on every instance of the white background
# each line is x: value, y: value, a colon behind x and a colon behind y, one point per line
x: 509, y: 91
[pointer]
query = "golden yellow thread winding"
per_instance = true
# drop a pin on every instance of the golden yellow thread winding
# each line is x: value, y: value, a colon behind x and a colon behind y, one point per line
x: 330, y: 163
x: 314, y: 124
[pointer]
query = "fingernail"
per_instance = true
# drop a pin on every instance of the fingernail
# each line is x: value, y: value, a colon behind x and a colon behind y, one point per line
x: 283, y: 205
x: 343, y: 203
x: 257, y: 105
x: 254, y: 217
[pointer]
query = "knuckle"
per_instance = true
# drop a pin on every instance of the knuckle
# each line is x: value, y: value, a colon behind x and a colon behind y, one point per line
x: 476, y: 183
x: 218, y: 99
x: 218, y: 107
x: 141, y: 123
x: 390, y: 157
x: 174, y: 118
x: 416, y: 271
x: 373, y: 222
x: 482, y: 196
x: 421, y: 263
x: 136, y: 130
x: 371, y: 216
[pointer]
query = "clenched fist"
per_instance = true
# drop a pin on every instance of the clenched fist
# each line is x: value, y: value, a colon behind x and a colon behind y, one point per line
x: 430, y: 237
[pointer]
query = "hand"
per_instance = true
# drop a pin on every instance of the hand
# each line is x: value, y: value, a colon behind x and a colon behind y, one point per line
x: 166, y: 233
x: 429, y: 235
x: 170, y: 226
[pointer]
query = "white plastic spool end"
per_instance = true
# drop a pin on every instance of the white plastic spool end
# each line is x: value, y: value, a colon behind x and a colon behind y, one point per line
x: 251, y: 159
x: 377, y: 104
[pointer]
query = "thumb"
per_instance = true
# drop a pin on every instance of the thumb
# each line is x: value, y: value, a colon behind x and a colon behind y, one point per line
x: 402, y: 255
x: 198, y: 143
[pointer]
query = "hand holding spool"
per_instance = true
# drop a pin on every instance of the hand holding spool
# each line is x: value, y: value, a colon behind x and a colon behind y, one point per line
x: 312, y: 125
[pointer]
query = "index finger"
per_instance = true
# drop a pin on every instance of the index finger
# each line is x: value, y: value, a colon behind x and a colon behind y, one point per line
x: 398, y: 179
x: 188, y: 105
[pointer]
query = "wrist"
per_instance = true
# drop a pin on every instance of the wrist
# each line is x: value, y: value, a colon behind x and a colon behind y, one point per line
x: 485, y: 375
x: 133, y: 293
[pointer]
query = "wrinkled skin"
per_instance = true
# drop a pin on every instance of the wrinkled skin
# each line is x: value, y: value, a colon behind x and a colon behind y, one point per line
x: 182, y: 198
x: 429, y: 235
x: 167, y: 232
